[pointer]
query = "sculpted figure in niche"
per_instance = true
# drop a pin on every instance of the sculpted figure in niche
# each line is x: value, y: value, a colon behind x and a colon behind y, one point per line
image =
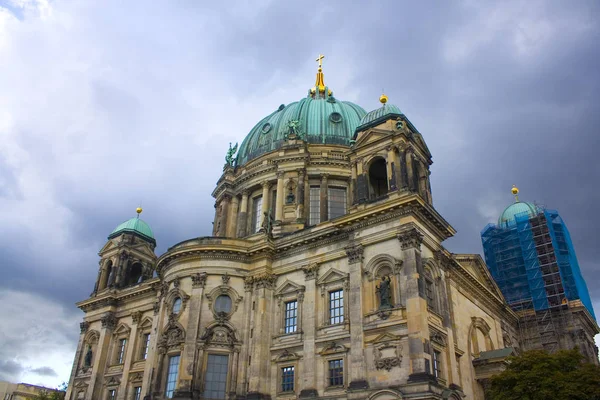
x: 87, y: 362
x: 385, y: 294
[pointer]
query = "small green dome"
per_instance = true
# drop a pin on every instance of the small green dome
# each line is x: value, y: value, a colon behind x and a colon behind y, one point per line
x: 508, y: 215
x: 379, y: 115
x: 319, y: 120
x: 134, y: 225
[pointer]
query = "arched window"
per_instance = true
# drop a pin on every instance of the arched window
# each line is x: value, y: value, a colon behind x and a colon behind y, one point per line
x: 105, y: 275
x: 176, y: 305
x: 134, y: 274
x: 378, y: 178
x: 430, y: 290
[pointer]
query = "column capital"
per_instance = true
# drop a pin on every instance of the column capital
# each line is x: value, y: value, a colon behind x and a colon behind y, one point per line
x: 280, y: 174
x: 109, y: 321
x: 136, y: 316
x: 389, y: 147
x: 355, y: 253
x: 245, y: 192
x: 83, y: 326
x: 324, y: 177
x: 311, y: 271
x: 199, y: 280
x: 410, y: 238
x: 266, y: 184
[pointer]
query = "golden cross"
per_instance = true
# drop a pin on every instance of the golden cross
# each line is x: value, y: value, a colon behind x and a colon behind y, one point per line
x: 321, y: 56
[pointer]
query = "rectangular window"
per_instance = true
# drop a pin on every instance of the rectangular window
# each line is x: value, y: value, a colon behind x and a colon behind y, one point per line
x: 291, y: 316
x: 336, y: 372
x: 112, y: 394
x: 336, y: 307
x: 172, y: 373
x: 337, y: 202
x: 137, y: 393
x: 437, y: 369
x: 145, y: 345
x: 256, y: 214
x: 287, y: 379
x: 215, y: 381
x: 121, y: 351
x: 314, y: 216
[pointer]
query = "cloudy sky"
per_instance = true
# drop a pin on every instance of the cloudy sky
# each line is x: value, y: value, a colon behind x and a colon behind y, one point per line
x: 105, y: 105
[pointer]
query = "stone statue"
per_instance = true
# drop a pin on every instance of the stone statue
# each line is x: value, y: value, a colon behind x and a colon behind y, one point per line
x: 87, y: 362
x: 229, y: 157
x: 267, y: 223
x: 385, y: 294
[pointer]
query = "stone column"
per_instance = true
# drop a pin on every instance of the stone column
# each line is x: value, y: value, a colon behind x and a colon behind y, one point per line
x: 403, y: 169
x: 357, y: 373
x: 95, y: 387
x: 222, y: 224
x: 279, y: 199
x: 324, y: 197
x: 232, y: 219
x: 152, y: 365
x: 216, y: 220
x: 362, y: 190
x: 243, y: 217
x: 244, y: 354
x: 261, y: 339
x: 352, y: 186
x: 391, y: 168
x: 130, y: 356
x: 308, y: 384
x: 83, y: 327
x: 416, y: 303
x: 410, y: 170
x: 300, y: 194
x: 265, y: 200
x: 187, y: 381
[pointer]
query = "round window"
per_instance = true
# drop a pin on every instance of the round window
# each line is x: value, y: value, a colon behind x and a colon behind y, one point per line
x: 335, y: 117
x: 266, y: 128
x: 223, y: 304
x: 177, y: 306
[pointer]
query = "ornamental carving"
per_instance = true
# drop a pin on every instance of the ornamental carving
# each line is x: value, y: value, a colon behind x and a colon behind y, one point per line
x: 199, y: 280
x: 355, y: 253
x: 83, y: 326
x: 136, y: 316
x: 265, y: 280
x: 219, y: 335
x: 311, y: 271
x: 156, y: 307
x: 438, y: 338
x: 410, y: 239
x: 333, y: 348
x: 225, y: 278
x: 109, y: 321
x: 172, y: 337
x: 248, y: 283
x: 176, y: 283
x: 387, y: 355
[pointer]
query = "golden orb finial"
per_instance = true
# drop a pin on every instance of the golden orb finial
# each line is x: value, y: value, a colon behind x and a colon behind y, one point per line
x: 515, y: 192
x: 383, y: 98
x: 139, y: 210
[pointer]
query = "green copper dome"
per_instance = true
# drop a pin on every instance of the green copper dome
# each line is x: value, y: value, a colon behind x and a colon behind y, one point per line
x: 134, y: 225
x: 508, y: 215
x: 318, y: 120
x: 379, y: 115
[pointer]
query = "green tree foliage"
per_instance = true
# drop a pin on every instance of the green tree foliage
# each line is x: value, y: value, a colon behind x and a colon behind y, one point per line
x: 537, y: 375
x: 53, y: 395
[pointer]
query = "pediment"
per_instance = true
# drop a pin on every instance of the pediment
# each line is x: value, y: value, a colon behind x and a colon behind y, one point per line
x: 333, y: 348
x: 372, y: 135
x: 332, y: 275
x: 476, y: 267
x: 108, y: 246
x: 385, y: 337
x: 121, y: 329
x: 421, y: 143
x: 289, y: 287
x: 146, y: 323
x: 112, y: 381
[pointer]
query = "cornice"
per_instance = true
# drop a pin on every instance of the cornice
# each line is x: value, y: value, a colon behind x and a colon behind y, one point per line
x: 115, y: 298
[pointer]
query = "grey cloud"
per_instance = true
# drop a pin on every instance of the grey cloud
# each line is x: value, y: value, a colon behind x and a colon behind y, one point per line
x: 9, y: 369
x: 44, y: 371
x: 138, y: 104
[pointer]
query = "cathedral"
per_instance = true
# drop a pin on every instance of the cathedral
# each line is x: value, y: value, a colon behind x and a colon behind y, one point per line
x: 325, y: 277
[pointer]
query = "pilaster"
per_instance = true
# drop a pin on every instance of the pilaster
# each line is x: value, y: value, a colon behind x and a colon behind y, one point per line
x: 109, y: 322
x: 243, y: 217
x: 308, y: 383
x: 324, y: 203
x: 279, y: 199
x: 232, y: 219
x: 129, y: 358
x: 357, y: 372
x: 83, y: 327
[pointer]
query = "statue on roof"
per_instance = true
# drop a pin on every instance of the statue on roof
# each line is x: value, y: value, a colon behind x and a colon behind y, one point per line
x: 294, y: 130
x: 229, y: 159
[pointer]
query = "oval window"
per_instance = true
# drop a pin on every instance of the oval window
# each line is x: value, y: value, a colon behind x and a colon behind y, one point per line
x: 223, y: 304
x: 176, y: 306
x: 266, y: 128
x: 335, y: 117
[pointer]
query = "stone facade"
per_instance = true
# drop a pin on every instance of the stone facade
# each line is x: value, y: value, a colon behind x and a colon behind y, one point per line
x: 23, y: 391
x: 292, y: 298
